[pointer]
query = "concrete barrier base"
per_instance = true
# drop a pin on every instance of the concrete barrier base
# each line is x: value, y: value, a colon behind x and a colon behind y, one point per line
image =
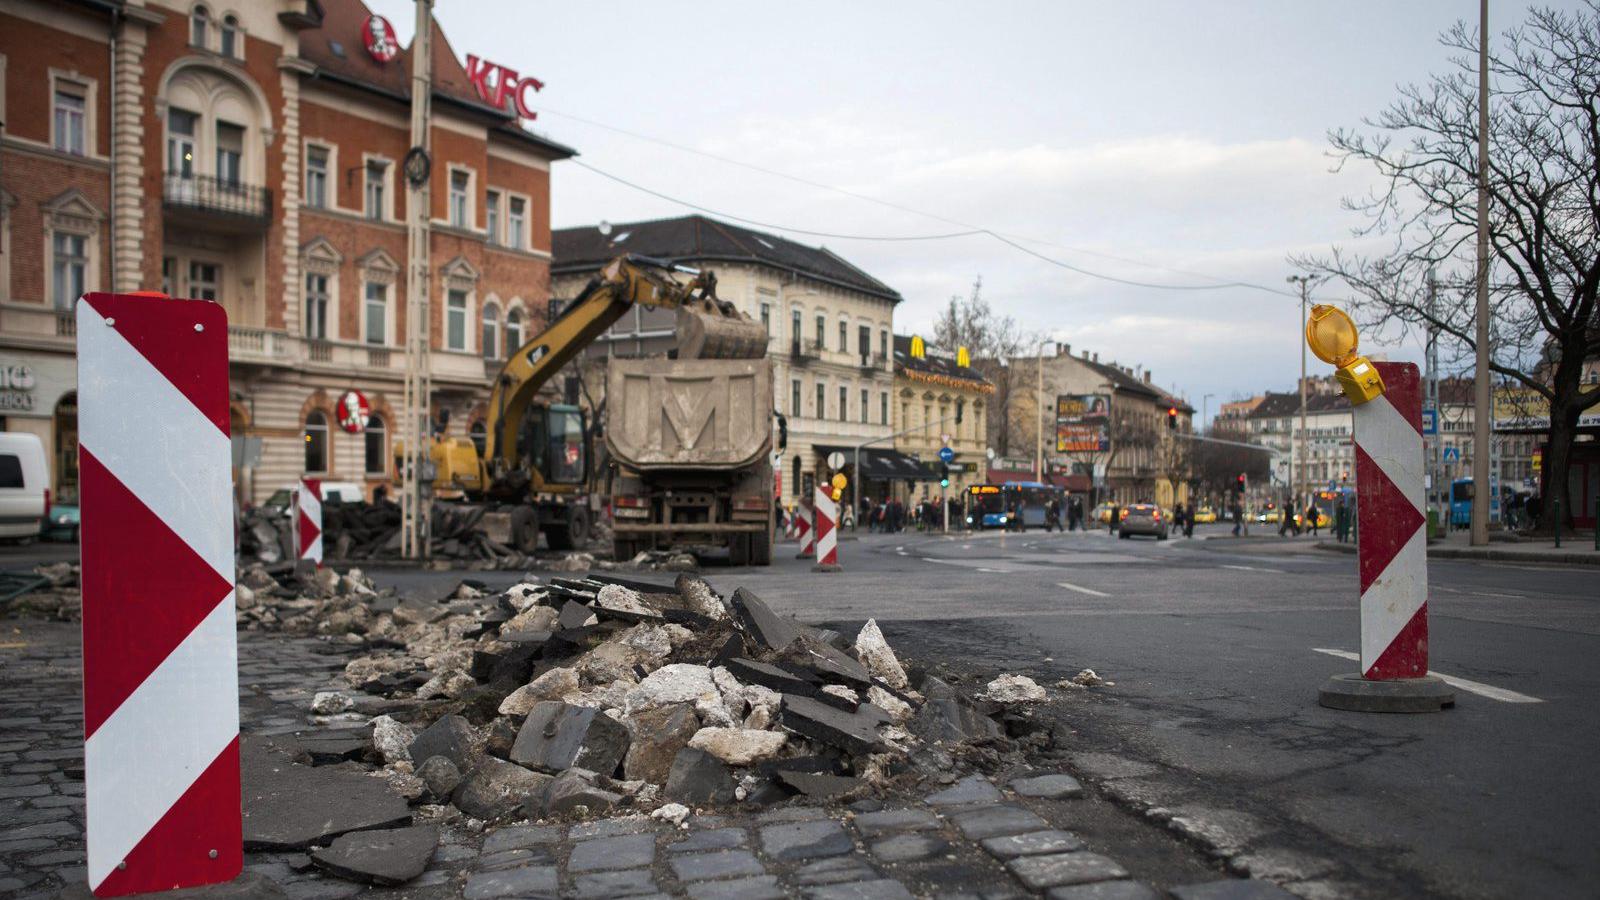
x: 1407, y: 695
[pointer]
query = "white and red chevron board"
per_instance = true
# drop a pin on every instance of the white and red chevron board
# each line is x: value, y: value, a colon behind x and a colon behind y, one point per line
x: 308, y: 520
x: 160, y: 664
x: 808, y: 535
x: 827, y: 522
x: 1391, y: 539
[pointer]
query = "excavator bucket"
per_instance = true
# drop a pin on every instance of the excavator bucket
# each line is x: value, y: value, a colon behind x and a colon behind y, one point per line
x: 710, y: 329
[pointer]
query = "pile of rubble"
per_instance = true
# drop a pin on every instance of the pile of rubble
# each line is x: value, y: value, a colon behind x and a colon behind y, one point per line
x: 604, y: 695
x: 50, y: 592
x: 369, y: 531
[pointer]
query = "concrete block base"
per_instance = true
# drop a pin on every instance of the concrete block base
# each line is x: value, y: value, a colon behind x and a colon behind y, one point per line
x: 826, y: 567
x: 1407, y: 695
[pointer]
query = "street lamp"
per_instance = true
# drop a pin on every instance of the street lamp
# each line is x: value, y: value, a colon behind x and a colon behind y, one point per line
x: 1304, y: 283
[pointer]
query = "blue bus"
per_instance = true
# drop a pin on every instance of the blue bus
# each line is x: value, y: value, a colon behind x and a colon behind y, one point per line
x: 1461, y: 491
x: 1012, y: 505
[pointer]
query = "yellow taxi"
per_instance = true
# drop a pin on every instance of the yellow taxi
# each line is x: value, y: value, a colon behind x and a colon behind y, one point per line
x: 1205, y: 515
x: 1102, y: 513
x: 1323, y: 520
x: 1270, y: 516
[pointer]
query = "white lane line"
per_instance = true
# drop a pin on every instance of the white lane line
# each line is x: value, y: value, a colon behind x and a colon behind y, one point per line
x: 1081, y: 590
x: 1465, y: 684
x: 1253, y: 569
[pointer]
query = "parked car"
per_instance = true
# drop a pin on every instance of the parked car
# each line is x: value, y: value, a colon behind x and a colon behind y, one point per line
x: 61, y: 523
x: 1205, y: 515
x: 1144, y: 518
x: 1102, y: 513
x: 24, y: 486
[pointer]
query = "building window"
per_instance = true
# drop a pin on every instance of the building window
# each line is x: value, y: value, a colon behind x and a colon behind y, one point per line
x: 377, y: 447
x: 795, y: 485
x: 455, y: 320
x: 822, y: 401
x: 766, y: 318
x: 200, y: 27
x: 883, y: 408
x: 169, y: 275
x: 70, y: 123
x: 491, y: 215
x: 205, y: 280
x: 230, y: 36
x: 794, y: 398
x: 180, y: 142
x: 883, y: 342
x: 459, y: 184
x: 70, y: 254
x: 844, y: 336
x: 794, y: 329
x: 513, y: 330
x: 864, y: 341
x: 517, y: 228
x: 377, y: 183
x: 491, y: 331
x: 316, y: 442
x: 316, y: 306
x: 844, y: 403
x: 863, y: 406
x: 377, y: 309
x: 317, y: 177
x: 822, y: 332
x: 230, y: 153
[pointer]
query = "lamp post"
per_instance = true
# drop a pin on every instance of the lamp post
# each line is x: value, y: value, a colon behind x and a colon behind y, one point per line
x: 1304, y: 282
x: 1205, y: 412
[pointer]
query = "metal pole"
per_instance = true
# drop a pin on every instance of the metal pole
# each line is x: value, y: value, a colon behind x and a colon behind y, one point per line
x: 1038, y: 458
x: 1299, y: 487
x: 1481, y: 400
x: 1442, y: 514
x: 415, y: 400
x: 1205, y: 413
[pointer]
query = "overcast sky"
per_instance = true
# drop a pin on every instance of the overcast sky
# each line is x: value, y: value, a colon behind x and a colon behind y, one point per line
x: 1143, y: 140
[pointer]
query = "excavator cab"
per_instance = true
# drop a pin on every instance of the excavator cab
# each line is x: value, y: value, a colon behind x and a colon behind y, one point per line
x: 554, y: 443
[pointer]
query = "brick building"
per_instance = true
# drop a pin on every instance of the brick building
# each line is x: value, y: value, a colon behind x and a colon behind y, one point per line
x: 250, y: 154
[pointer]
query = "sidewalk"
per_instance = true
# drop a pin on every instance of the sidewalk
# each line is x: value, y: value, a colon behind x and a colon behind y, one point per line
x: 1575, y: 550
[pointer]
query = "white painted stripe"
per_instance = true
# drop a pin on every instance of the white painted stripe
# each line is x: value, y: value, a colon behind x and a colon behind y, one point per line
x: 1251, y: 569
x: 1463, y: 684
x: 141, y: 760
x: 154, y: 441
x: 1391, y: 600
x: 1082, y: 590
x: 1394, y: 446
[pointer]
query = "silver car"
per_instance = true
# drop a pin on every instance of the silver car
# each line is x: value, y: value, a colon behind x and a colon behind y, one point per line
x: 1143, y: 518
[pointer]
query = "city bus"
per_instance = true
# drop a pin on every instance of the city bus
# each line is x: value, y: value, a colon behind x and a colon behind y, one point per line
x: 985, y: 507
x: 1029, y: 499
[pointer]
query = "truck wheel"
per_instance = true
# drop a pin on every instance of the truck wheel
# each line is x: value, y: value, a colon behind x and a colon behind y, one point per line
x: 761, y: 548
x: 525, y: 529
x: 573, y: 534
x: 622, y: 551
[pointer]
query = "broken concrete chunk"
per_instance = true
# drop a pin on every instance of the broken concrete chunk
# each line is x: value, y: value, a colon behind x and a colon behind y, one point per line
x: 452, y: 738
x: 453, y: 685
x: 441, y: 777
x: 654, y: 643
x: 532, y: 618
x: 899, y: 710
x: 557, y: 736
x: 824, y: 663
x: 291, y: 807
x: 760, y: 623
x: 575, y: 615
x: 700, y: 598
x: 657, y: 736
x: 675, y: 813
x: 816, y: 784
x: 327, y: 703
x: 676, y: 683
x: 388, y: 857
x: 618, y: 602
x: 840, y: 696
x: 551, y: 685
x: 392, y: 739
x: 732, y: 691
x: 524, y: 596
x: 608, y: 662
x: 1013, y: 689
x: 699, y: 779
x: 739, y: 746
x: 781, y: 680
x: 496, y: 788
x: 576, y: 788
x: 853, y: 732
x: 874, y: 653
x: 949, y: 717
x: 334, y: 745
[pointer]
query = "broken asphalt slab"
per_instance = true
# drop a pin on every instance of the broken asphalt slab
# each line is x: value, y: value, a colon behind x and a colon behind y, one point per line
x: 384, y: 857
x: 292, y: 807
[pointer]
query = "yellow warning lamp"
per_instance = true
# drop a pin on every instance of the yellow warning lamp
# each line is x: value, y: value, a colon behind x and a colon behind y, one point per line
x: 838, y: 483
x: 1331, y: 335
x: 837, y: 493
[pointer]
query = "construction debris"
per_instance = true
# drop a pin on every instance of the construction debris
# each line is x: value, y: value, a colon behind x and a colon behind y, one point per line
x: 1013, y: 689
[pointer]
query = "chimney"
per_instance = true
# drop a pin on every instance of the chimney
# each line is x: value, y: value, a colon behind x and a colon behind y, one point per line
x: 1097, y: 356
x: 1146, y: 376
x: 1085, y: 354
x: 1063, y: 349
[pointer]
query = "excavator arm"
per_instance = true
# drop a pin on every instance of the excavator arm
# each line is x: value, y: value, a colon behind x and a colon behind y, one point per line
x: 706, y: 327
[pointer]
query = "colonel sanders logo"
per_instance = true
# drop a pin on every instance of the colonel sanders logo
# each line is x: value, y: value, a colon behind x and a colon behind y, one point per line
x: 353, y: 412
x: 378, y: 36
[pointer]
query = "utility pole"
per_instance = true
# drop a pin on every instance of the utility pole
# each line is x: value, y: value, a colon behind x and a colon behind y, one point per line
x: 1038, y: 458
x: 1481, y: 400
x: 1304, y: 281
x: 1431, y: 386
x: 418, y: 385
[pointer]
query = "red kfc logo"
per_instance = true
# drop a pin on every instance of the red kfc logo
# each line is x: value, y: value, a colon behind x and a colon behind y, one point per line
x: 377, y: 35
x: 496, y: 83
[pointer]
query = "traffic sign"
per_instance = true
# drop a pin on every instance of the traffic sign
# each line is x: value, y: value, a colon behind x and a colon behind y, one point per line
x: 947, y: 455
x: 836, y: 460
x: 1452, y: 454
x: 1430, y: 421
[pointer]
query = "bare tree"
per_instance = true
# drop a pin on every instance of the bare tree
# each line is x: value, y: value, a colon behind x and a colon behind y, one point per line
x: 1218, y: 466
x: 1543, y: 185
x: 993, y: 341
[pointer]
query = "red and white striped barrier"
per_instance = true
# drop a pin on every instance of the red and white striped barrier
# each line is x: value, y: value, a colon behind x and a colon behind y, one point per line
x: 807, y: 534
x: 307, y: 521
x: 827, y: 513
x: 160, y: 664
x: 1391, y: 540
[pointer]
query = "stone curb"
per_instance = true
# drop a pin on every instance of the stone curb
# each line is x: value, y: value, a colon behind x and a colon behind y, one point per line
x: 1562, y: 558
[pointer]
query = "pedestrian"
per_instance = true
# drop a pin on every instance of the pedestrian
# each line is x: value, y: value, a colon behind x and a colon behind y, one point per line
x: 1116, y: 517
x: 1341, y: 520
x: 1286, y: 521
x: 1312, y: 514
x: 1188, y: 522
x: 1238, y: 516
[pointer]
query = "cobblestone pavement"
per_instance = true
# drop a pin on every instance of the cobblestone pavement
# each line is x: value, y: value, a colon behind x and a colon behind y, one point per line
x: 970, y: 838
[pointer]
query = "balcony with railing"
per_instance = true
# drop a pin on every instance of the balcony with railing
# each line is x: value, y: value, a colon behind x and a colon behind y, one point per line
x: 247, y: 344
x: 874, y: 362
x: 37, y: 324
x: 214, y: 202
x: 803, y: 352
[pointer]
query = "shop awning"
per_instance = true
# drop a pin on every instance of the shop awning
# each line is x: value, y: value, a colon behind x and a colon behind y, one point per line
x: 882, y: 463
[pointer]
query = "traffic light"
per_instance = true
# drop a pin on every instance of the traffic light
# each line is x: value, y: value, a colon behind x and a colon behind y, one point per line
x: 944, y: 476
x: 1172, y: 418
x: 1239, y: 484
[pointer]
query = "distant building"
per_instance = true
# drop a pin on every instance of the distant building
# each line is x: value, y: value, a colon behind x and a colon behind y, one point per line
x: 829, y: 324
x: 930, y: 390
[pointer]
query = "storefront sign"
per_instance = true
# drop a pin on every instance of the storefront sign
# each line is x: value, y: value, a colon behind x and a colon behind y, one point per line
x: 495, y: 84
x: 377, y: 35
x: 353, y: 412
x: 16, y: 388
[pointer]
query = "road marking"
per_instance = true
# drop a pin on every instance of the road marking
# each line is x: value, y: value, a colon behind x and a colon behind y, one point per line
x: 1252, y: 569
x: 1475, y: 687
x: 1081, y: 590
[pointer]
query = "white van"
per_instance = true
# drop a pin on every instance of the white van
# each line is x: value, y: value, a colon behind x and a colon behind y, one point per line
x: 24, y: 486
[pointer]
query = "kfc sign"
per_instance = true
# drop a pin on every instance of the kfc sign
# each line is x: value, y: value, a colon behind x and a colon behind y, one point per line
x: 496, y: 84
x: 377, y: 35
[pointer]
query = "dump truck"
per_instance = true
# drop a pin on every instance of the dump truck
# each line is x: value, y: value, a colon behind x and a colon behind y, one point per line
x: 690, y: 443
x: 538, y: 465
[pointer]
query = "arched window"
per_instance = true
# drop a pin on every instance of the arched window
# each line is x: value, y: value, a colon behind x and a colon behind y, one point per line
x: 200, y: 27
x: 513, y: 330
x: 316, y: 442
x: 231, y: 45
x: 479, y: 435
x: 377, y: 447
x: 491, y: 331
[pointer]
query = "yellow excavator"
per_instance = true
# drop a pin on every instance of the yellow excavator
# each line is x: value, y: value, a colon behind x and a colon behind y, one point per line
x: 536, y: 456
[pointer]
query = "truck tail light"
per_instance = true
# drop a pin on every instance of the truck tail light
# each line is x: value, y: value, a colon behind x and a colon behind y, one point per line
x: 748, y: 504
x: 633, y: 502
